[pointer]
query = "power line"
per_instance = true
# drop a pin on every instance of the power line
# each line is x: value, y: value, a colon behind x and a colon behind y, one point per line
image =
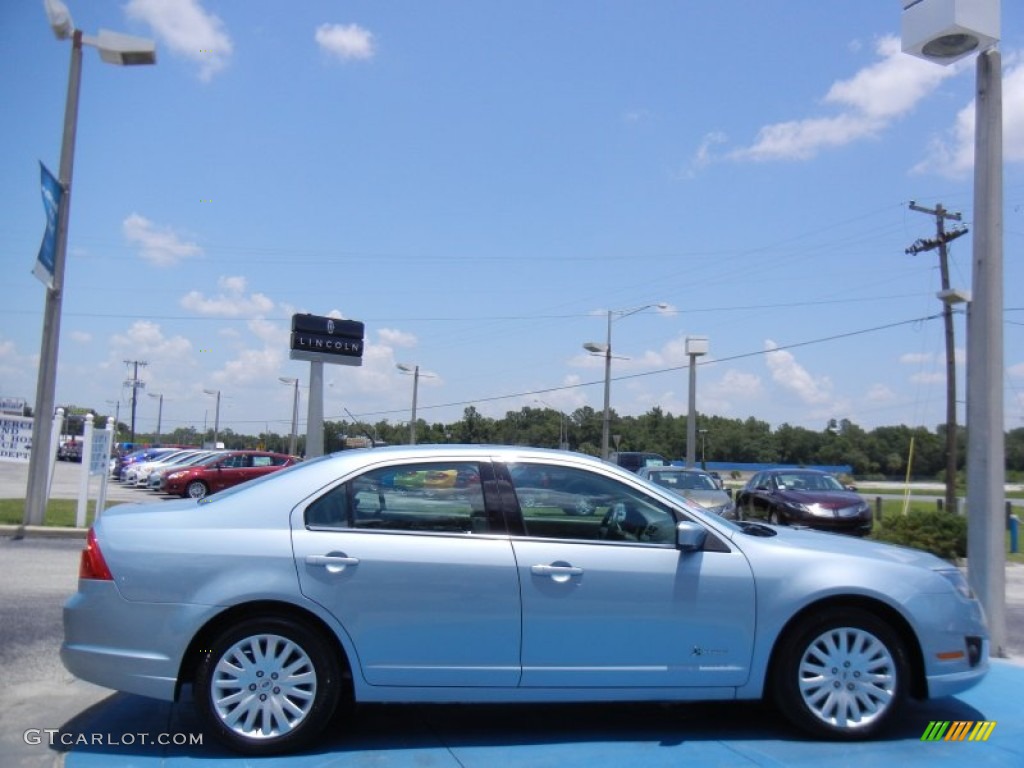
x: 730, y: 358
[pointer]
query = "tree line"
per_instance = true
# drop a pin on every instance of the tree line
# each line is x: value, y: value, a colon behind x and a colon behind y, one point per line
x: 876, y: 453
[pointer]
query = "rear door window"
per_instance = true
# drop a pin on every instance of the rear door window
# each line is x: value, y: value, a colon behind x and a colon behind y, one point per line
x: 436, y: 497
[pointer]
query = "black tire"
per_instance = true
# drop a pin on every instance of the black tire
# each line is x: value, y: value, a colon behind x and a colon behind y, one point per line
x: 196, y: 489
x: 275, y: 718
x: 841, y: 674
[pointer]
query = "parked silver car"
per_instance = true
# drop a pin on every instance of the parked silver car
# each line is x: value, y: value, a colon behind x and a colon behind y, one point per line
x: 694, y: 485
x: 416, y: 574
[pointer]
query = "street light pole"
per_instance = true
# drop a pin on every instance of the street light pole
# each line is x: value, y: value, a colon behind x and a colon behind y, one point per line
x: 945, y: 32
x: 39, y: 465
x: 216, y: 414
x: 116, y: 49
x: 986, y: 449
x: 295, y: 413
x: 159, y: 414
x: 606, y: 421
x: 415, y: 371
x: 606, y: 350
x: 695, y: 347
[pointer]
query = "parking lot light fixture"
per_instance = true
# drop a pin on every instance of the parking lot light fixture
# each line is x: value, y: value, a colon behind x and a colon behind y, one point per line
x: 216, y: 414
x: 159, y: 413
x: 113, y: 48
x: 942, y: 31
x: 414, y: 371
x: 295, y: 412
x: 696, y: 346
x: 605, y: 350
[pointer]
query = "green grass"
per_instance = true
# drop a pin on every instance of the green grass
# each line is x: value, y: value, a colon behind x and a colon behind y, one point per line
x: 59, y: 512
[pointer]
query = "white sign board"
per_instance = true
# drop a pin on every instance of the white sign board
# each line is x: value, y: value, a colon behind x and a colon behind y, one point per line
x: 99, y: 460
x: 15, y: 438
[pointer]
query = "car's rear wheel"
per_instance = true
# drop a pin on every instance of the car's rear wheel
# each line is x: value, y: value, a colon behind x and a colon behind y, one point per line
x: 196, y: 489
x: 268, y: 686
x: 841, y: 673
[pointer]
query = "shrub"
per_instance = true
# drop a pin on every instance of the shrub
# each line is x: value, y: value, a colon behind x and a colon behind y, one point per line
x: 940, y: 533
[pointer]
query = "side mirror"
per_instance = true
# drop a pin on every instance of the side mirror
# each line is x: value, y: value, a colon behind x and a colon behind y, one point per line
x: 690, y: 537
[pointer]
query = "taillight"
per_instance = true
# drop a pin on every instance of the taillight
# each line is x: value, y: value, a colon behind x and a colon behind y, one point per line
x: 92, y: 565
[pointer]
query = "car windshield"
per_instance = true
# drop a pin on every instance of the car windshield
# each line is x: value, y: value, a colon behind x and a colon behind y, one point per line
x: 684, y: 481
x: 807, y: 481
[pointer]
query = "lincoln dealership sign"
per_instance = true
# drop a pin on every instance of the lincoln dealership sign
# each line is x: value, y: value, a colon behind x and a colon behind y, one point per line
x: 327, y: 340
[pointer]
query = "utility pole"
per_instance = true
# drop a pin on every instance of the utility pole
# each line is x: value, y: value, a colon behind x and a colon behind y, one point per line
x: 948, y: 297
x: 136, y: 385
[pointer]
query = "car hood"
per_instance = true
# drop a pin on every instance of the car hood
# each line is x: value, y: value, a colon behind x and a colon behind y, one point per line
x: 706, y: 498
x: 827, y: 499
x: 822, y: 542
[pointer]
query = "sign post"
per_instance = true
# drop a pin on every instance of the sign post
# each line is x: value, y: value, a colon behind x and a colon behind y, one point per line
x: 318, y: 340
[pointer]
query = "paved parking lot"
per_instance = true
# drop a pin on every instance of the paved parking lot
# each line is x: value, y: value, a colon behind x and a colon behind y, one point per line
x: 565, y: 736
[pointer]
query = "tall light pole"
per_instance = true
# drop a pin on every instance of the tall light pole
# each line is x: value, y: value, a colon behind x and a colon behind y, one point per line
x: 605, y: 350
x: 563, y: 432
x: 159, y: 413
x: 295, y: 412
x: 216, y: 414
x: 703, y: 461
x: 695, y: 347
x: 114, y: 49
x: 944, y: 32
x: 413, y: 370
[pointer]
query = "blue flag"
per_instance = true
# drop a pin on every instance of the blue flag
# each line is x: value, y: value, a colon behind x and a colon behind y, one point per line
x: 53, y: 193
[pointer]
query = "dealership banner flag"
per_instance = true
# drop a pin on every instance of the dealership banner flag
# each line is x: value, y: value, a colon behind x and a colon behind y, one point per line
x: 53, y: 193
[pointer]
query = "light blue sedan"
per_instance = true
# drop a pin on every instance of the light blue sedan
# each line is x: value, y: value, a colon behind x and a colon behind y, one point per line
x: 353, y: 576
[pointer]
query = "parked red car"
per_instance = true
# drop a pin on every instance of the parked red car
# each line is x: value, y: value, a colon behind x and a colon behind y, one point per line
x: 223, y: 470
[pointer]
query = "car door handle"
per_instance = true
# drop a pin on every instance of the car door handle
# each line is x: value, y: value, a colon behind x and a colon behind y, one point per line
x: 333, y: 563
x: 559, y: 573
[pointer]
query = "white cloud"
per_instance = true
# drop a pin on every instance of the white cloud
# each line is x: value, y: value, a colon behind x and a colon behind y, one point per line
x: 737, y: 383
x: 252, y: 365
x: 953, y: 155
x: 879, y: 393
x: 917, y: 358
x: 145, y: 340
x: 232, y: 301
x: 159, y: 246
x: 870, y: 101
x: 188, y: 30
x: 704, y: 156
x: 346, y: 41
x: 81, y: 337
x: 394, y: 338
x: 1016, y: 371
x: 790, y: 375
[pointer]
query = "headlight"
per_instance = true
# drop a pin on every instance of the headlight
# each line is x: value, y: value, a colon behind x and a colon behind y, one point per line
x: 176, y: 476
x: 954, y: 577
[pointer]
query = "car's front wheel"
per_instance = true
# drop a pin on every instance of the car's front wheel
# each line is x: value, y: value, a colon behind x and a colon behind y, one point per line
x: 268, y: 686
x: 841, y: 673
x: 196, y: 489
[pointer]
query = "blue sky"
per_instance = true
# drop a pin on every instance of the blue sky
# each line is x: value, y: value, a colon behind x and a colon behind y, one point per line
x: 479, y: 183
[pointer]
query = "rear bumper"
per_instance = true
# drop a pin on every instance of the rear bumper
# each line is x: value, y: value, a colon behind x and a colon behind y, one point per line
x: 127, y: 646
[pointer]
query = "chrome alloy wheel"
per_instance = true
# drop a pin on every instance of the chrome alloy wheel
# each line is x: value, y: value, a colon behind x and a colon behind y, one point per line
x: 263, y: 686
x: 848, y: 678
